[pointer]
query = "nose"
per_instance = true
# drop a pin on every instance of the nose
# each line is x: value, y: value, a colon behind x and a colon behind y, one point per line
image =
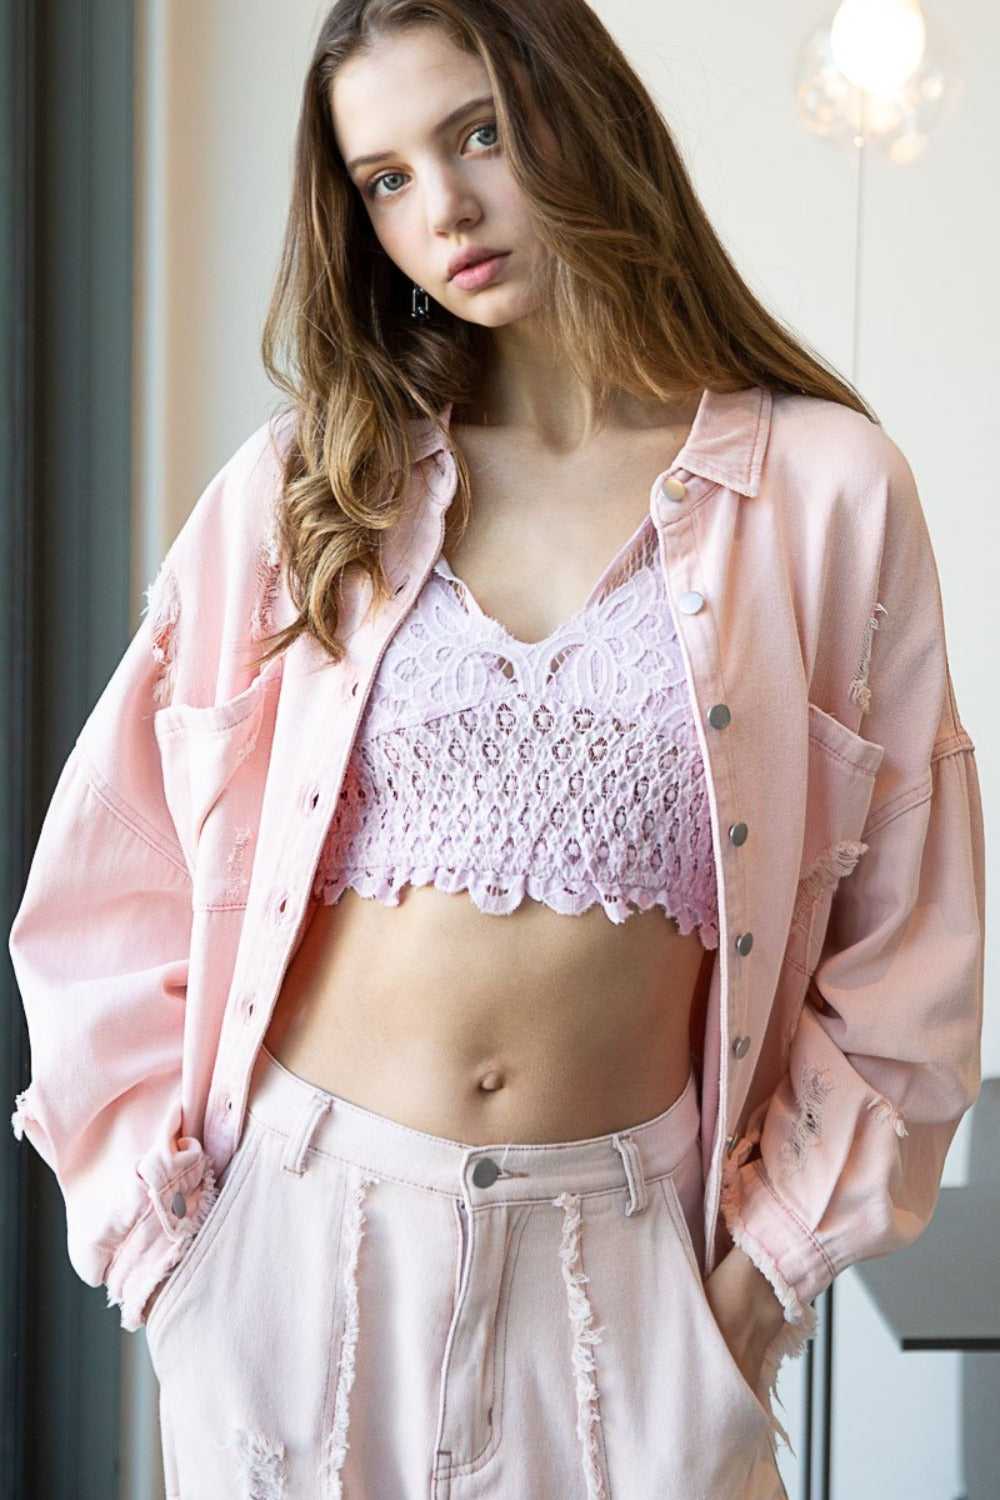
x: 451, y: 204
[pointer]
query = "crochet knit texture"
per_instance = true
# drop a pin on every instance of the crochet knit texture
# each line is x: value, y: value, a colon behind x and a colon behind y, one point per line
x: 567, y: 769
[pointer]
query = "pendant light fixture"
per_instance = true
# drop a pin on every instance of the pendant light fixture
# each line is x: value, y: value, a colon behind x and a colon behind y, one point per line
x: 879, y: 72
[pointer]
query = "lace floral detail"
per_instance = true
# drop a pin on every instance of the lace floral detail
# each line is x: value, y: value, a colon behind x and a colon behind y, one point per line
x: 567, y: 770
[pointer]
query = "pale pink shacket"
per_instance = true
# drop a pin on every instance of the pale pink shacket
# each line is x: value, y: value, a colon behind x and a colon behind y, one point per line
x: 842, y: 1037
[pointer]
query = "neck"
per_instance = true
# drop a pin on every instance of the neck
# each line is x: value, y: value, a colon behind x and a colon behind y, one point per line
x: 527, y: 384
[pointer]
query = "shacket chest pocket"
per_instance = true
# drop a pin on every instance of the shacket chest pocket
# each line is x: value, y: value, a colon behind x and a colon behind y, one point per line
x: 842, y: 771
x: 214, y: 785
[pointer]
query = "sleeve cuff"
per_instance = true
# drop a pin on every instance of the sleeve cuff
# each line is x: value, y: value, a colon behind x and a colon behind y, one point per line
x: 780, y: 1246
x: 179, y: 1204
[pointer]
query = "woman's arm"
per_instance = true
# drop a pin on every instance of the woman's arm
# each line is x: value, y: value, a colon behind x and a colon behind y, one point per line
x: 102, y: 939
x: 99, y: 949
x: 848, y: 1157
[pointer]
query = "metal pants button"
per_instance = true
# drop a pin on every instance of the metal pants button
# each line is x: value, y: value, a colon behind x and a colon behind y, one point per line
x: 485, y: 1172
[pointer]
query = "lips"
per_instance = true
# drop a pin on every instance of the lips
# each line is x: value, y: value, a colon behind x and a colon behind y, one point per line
x: 472, y: 255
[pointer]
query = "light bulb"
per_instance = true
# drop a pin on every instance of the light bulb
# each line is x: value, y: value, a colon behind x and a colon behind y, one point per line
x: 878, y: 44
x: 895, y: 124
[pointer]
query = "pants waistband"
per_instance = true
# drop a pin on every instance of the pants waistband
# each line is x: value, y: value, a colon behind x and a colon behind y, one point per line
x: 312, y: 1119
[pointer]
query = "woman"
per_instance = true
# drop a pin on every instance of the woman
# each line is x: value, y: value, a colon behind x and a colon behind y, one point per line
x: 414, y: 1201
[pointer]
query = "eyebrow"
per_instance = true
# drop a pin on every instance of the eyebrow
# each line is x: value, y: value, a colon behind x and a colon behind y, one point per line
x: 445, y: 124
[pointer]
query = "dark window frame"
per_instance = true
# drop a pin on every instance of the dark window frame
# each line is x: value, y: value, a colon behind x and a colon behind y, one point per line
x: 66, y: 133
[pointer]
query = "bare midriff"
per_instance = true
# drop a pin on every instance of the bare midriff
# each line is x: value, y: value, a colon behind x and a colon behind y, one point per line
x: 533, y: 1026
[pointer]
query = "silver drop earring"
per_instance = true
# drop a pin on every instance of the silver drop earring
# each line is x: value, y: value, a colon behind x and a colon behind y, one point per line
x: 420, y: 307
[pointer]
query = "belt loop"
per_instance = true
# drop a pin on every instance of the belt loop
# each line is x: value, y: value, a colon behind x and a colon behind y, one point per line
x: 632, y: 1162
x: 300, y: 1137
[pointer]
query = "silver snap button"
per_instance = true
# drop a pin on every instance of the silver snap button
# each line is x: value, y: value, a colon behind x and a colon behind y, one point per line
x: 719, y: 716
x: 744, y: 943
x: 178, y: 1206
x: 738, y: 834
x: 690, y: 604
x: 741, y: 1046
x: 673, y: 490
x: 485, y: 1172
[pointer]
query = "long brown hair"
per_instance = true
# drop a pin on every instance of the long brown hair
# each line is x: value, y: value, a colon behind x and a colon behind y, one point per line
x: 643, y: 295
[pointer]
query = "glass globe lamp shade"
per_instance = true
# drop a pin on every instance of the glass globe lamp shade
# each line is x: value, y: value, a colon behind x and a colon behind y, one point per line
x: 894, y: 122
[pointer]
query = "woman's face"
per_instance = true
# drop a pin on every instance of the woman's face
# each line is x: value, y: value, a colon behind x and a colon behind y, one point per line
x: 415, y: 123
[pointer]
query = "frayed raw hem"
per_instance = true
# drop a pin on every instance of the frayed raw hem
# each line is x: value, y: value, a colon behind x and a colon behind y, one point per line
x: 800, y: 1320
x: 788, y: 1343
x: 585, y: 1335
x: 765, y: 1263
x: 132, y: 1304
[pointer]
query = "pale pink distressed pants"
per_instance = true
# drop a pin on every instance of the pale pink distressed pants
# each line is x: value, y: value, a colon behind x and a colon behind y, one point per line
x: 373, y: 1313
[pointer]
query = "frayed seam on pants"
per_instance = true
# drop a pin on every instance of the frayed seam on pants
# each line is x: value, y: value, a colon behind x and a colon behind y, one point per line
x: 337, y: 1444
x: 585, y: 1335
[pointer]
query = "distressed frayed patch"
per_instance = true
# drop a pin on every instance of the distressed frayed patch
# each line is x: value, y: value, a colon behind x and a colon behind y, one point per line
x: 236, y: 864
x: 829, y: 867
x: 787, y: 1038
x: 163, y: 605
x: 337, y: 1444
x: 263, y: 1467
x: 860, y: 692
x: 807, y: 1126
x: 585, y: 1335
x: 886, y: 1111
x: 20, y: 1115
x: 268, y: 582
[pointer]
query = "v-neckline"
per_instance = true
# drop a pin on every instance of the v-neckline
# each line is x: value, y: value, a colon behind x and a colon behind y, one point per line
x: 444, y: 568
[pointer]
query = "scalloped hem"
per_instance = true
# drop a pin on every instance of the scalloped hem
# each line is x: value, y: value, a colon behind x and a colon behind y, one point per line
x: 497, y: 899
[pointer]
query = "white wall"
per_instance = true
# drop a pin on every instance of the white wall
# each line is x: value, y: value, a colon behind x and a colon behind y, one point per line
x: 219, y: 86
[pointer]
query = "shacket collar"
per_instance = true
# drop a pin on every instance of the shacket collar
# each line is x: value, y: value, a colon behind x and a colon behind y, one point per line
x: 726, y: 443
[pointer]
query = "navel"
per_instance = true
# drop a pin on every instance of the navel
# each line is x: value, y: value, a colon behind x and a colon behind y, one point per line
x: 490, y: 1081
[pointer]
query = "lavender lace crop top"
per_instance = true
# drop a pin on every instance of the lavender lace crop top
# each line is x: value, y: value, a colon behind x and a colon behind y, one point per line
x: 568, y: 769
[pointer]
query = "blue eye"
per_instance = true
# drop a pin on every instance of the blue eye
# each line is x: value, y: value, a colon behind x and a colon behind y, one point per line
x: 490, y: 129
x: 386, y: 177
x: 388, y: 184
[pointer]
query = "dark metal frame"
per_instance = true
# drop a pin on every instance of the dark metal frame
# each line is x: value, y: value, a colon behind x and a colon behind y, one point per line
x: 66, y: 133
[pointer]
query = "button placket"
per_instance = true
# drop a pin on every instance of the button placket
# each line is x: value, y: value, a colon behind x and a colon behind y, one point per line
x: 719, y: 717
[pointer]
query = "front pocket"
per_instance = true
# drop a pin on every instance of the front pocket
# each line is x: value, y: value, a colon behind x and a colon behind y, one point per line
x: 233, y: 1176
x: 711, y: 1332
x: 841, y: 782
x: 213, y: 785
